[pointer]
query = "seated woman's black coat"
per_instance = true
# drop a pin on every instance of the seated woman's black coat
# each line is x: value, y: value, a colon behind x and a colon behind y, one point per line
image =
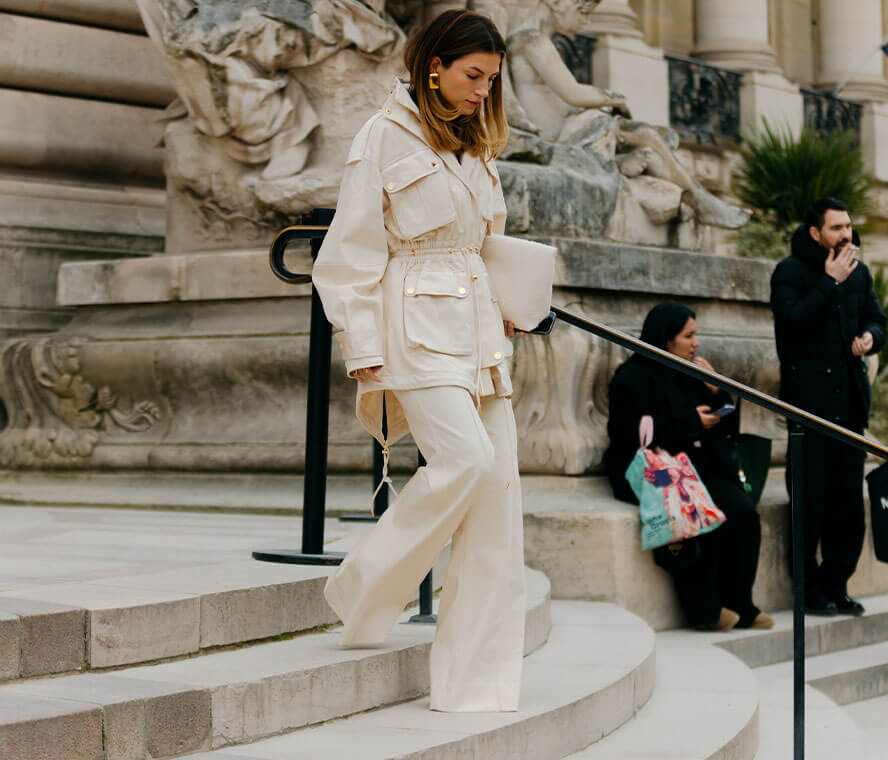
x: 640, y: 387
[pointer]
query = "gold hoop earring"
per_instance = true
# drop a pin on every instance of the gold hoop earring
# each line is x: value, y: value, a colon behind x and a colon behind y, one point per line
x: 433, y: 81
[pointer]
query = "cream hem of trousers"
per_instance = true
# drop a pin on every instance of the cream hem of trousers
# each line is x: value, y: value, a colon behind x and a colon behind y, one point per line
x: 469, y: 490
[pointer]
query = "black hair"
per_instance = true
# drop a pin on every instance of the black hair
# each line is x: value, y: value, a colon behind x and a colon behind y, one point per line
x: 816, y: 212
x: 664, y: 322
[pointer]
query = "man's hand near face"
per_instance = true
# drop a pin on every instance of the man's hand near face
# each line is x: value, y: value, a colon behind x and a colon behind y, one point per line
x: 841, y: 262
x: 862, y: 344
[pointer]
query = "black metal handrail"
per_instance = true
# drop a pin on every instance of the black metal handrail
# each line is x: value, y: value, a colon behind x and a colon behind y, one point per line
x: 825, y: 113
x: 794, y: 413
x: 319, y: 375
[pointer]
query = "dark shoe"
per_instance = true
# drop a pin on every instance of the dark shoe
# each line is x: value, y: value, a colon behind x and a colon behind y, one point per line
x: 819, y: 604
x: 845, y: 605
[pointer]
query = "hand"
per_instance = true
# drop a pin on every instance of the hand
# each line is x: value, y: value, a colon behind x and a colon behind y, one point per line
x: 839, y: 265
x: 618, y: 104
x: 364, y: 374
x: 862, y: 344
x: 701, y: 362
x: 708, y: 420
x: 509, y: 329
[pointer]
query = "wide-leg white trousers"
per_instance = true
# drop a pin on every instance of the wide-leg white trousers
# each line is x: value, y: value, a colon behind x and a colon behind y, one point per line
x: 469, y: 490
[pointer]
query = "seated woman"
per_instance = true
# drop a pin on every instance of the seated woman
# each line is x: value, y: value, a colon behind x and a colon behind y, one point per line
x: 713, y: 573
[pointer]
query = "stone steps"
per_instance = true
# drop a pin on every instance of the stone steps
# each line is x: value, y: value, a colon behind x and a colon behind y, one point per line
x: 869, y: 715
x: 706, y: 705
x: 596, y: 670
x: 224, y: 697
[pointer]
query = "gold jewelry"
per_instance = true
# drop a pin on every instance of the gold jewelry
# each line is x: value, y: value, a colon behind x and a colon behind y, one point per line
x: 433, y: 81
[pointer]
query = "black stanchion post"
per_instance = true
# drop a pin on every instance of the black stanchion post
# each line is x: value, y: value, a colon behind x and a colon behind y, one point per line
x: 318, y: 407
x: 797, y: 466
x: 425, y: 588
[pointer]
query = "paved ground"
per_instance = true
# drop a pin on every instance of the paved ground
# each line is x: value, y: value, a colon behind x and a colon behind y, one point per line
x: 44, y: 546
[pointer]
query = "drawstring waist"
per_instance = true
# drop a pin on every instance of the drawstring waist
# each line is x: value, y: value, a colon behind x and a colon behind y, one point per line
x: 464, y: 250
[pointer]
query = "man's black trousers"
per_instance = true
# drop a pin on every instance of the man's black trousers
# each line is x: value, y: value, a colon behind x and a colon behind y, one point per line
x: 834, y: 512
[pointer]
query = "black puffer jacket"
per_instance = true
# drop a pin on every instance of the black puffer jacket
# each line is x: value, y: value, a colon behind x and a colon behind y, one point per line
x: 815, y: 323
x: 641, y: 386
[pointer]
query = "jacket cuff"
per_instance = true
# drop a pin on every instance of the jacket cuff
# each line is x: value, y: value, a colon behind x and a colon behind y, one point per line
x: 827, y: 285
x: 365, y: 361
x: 360, y: 344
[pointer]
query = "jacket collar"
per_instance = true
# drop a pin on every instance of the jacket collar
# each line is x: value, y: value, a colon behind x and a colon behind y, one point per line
x: 400, y: 108
x: 809, y: 250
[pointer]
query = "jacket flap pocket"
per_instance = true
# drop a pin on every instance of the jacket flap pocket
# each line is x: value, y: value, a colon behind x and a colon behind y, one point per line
x: 405, y: 171
x: 436, y: 283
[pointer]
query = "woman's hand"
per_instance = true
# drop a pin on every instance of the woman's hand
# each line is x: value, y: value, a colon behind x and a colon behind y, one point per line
x: 701, y: 362
x: 364, y: 374
x: 708, y: 420
x: 509, y: 329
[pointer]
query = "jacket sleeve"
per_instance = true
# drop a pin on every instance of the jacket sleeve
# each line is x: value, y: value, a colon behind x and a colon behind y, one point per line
x: 499, y: 202
x: 874, y: 319
x: 350, y: 265
x: 794, y: 308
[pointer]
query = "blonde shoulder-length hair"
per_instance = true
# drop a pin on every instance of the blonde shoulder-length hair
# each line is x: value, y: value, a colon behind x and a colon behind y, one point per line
x: 450, y: 36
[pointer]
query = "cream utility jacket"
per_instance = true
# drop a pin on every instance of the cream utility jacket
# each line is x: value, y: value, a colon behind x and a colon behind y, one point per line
x: 400, y: 272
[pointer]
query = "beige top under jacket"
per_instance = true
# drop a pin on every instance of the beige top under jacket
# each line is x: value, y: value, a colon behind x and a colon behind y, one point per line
x: 400, y: 274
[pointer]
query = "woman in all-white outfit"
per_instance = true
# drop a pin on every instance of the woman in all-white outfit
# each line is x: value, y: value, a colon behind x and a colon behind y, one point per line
x: 402, y: 280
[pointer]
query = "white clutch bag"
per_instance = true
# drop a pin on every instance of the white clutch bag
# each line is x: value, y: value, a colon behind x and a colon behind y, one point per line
x: 521, y: 274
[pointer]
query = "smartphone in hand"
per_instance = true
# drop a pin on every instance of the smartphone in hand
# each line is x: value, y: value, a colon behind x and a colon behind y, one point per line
x: 725, y: 410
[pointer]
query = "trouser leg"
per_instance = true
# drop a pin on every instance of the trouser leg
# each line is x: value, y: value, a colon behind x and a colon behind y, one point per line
x: 479, y: 644
x: 736, y: 543
x: 694, y: 578
x: 843, y: 520
x: 817, y: 471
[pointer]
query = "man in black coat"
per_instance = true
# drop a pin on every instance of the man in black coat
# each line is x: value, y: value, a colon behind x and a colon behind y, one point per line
x: 826, y: 317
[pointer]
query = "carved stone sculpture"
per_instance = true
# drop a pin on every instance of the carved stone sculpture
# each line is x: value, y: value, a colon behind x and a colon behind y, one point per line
x: 567, y: 111
x: 56, y: 416
x: 256, y: 79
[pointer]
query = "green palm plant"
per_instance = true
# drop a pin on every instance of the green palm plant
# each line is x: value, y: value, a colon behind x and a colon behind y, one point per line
x: 780, y: 175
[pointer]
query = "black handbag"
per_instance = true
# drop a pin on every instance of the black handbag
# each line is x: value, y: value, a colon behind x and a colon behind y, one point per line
x: 877, y: 483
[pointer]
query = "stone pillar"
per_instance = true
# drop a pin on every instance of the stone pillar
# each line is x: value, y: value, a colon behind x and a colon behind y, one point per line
x: 736, y: 36
x: 622, y: 61
x: 850, y: 34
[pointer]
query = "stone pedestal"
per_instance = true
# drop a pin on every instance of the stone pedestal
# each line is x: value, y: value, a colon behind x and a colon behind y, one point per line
x: 770, y: 95
x: 198, y: 362
x: 628, y: 65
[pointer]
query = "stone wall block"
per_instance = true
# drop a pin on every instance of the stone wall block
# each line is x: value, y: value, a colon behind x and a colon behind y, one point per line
x: 72, y: 59
x: 147, y: 632
x: 124, y: 730
x: 117, y: 14
x: 52, y: 636
x: 53, y: 132
x: 235, y: 616
x: 37, y: 729
x: 10, y: 646
x: 177, y: 724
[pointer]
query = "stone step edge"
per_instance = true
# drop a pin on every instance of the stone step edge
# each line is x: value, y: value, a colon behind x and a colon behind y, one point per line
x: 822, y: 635
x: 553, y: 732
x: 44, y: 638
x: 40, y: 638
x: 684, y: 672
x: 165, y: 719
x: 843, y: 678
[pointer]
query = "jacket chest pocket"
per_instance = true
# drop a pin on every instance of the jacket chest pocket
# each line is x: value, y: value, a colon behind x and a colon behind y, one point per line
x: 418, y: 193
x: 439, y: 312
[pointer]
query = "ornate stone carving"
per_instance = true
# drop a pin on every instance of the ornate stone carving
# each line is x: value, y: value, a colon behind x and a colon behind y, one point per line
x: 273, y: 92
x: 56, y: 415
x: 656, y: 189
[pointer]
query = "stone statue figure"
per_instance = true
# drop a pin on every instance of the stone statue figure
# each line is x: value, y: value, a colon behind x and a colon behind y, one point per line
x: 256, y: 78
x: 567, y: 111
